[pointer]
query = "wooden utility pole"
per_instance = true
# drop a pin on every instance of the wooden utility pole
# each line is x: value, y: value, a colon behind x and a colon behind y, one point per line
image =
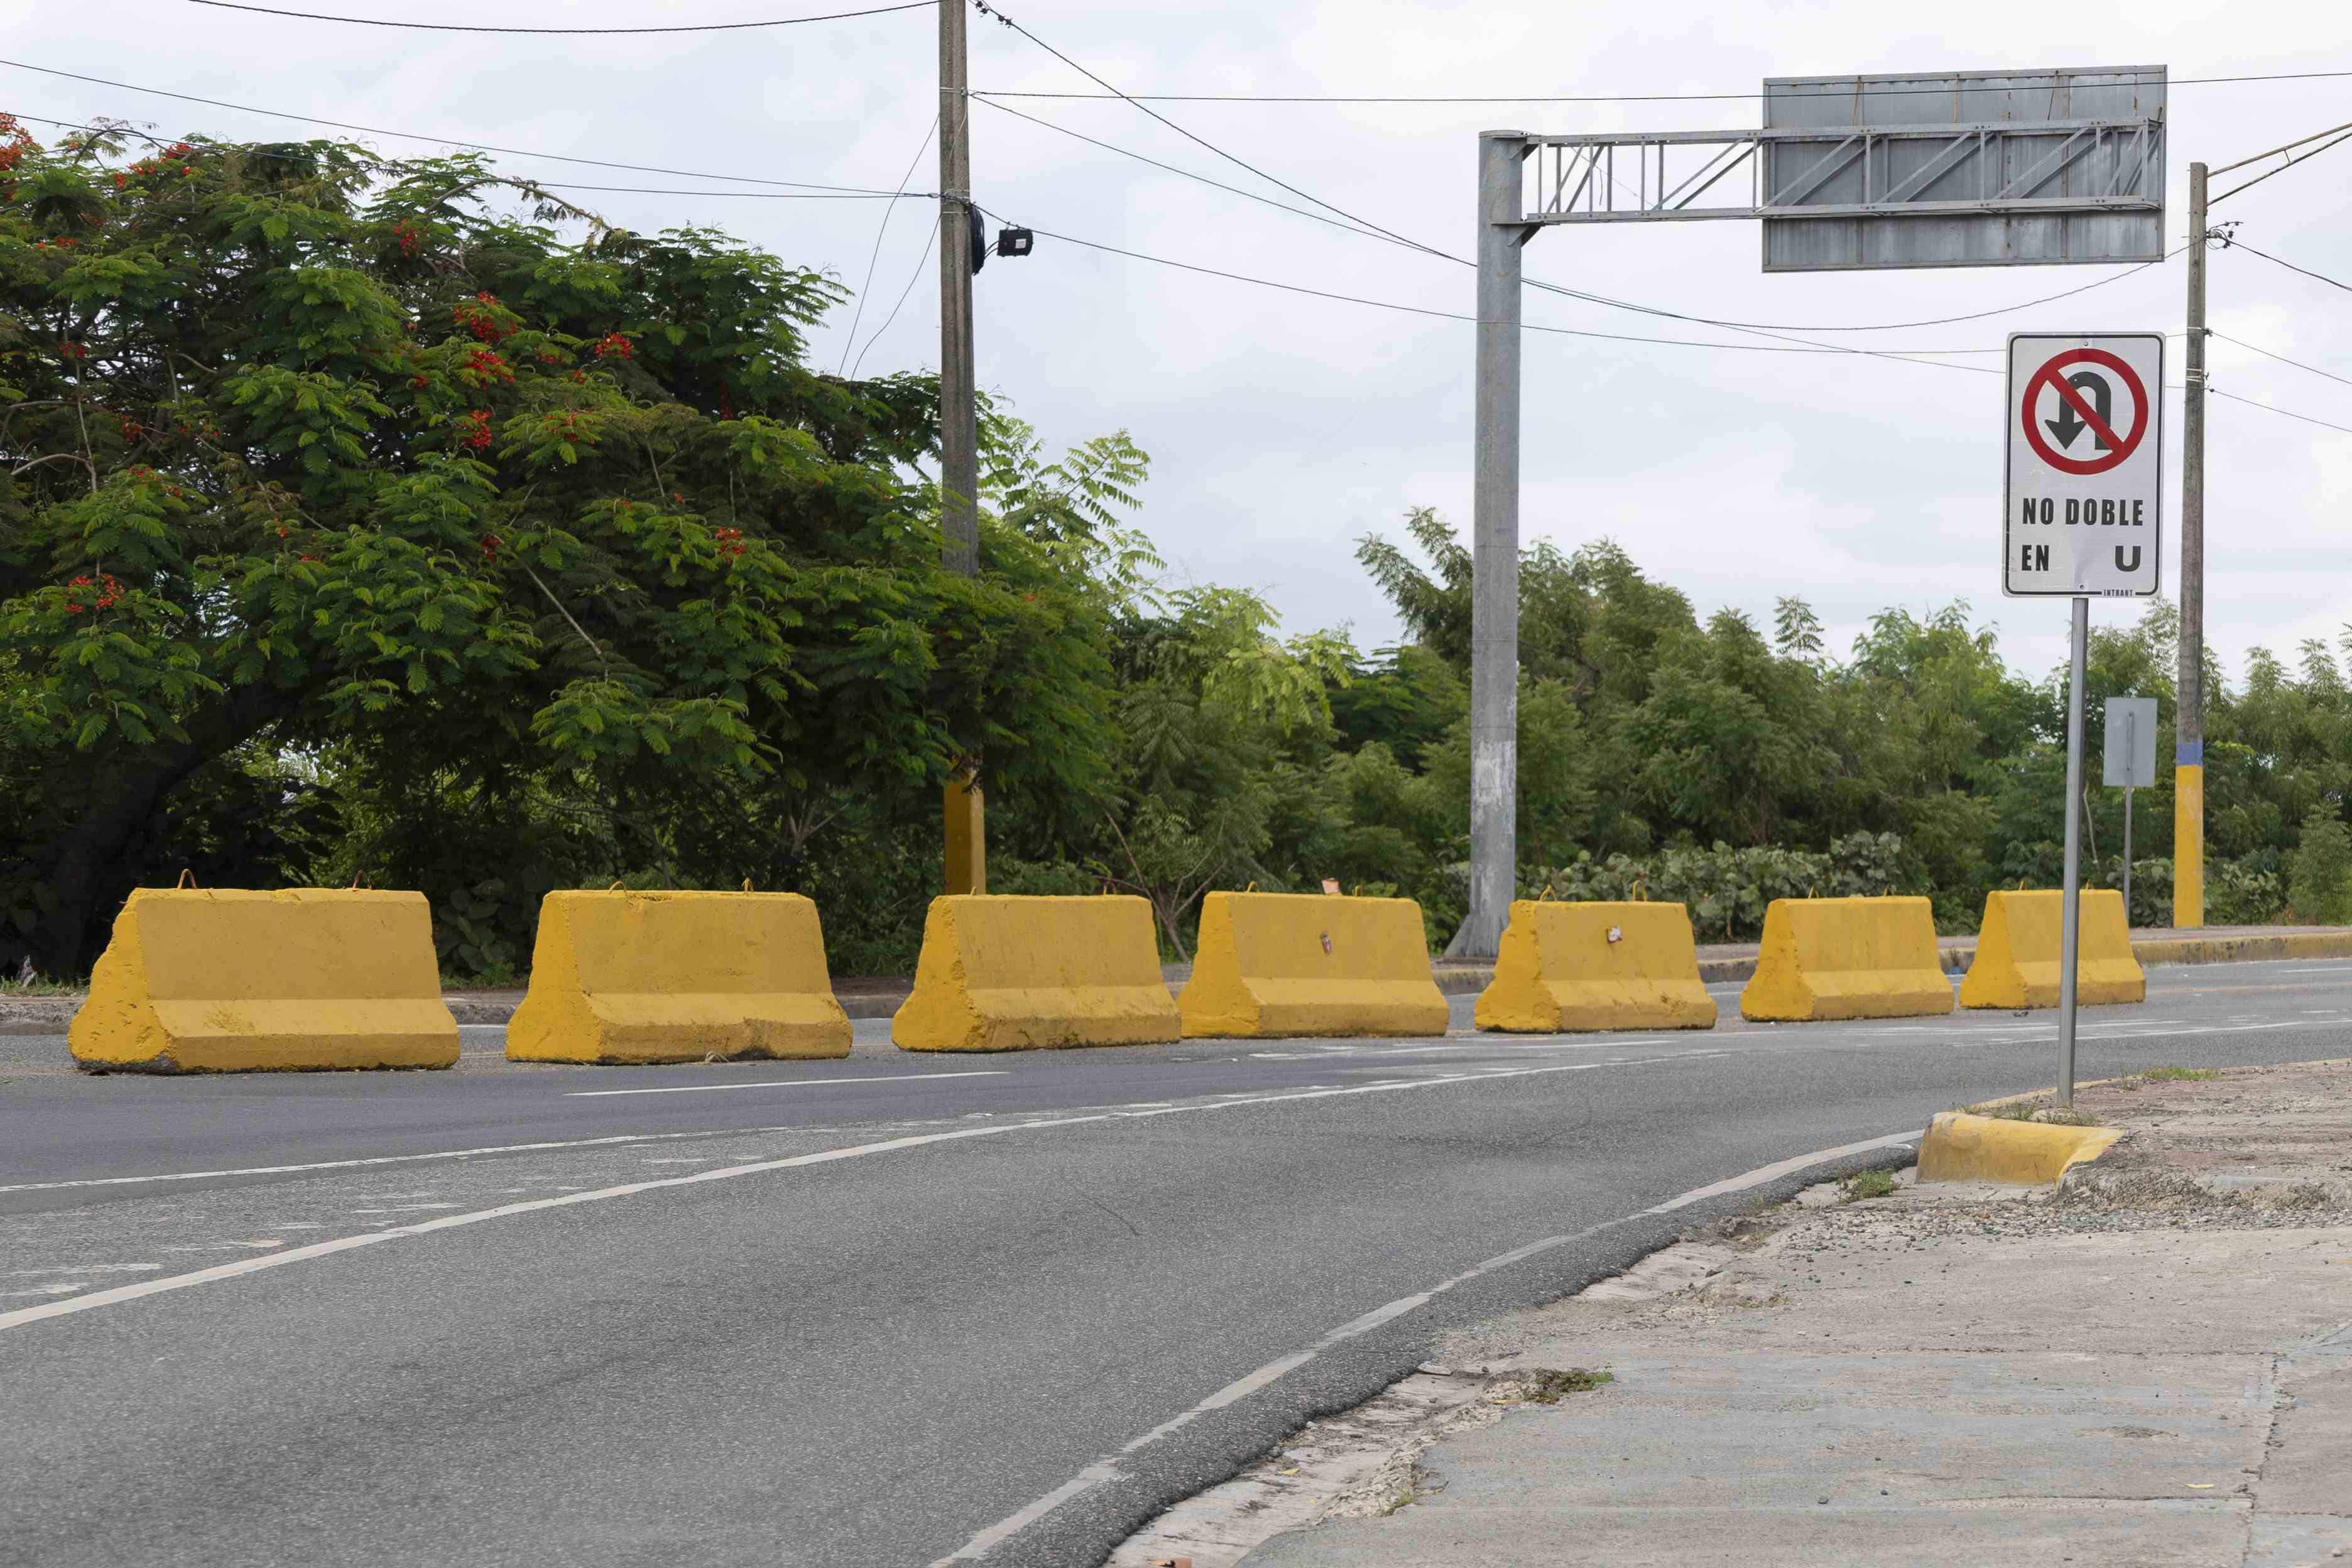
x: 2188, y: 761
x: 967, y: 845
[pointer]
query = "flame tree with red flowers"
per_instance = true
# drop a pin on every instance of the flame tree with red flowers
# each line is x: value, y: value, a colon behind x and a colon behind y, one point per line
x: 396, y: 517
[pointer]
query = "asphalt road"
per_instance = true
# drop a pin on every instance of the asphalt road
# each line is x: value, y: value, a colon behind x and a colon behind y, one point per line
x: 997, y: 1309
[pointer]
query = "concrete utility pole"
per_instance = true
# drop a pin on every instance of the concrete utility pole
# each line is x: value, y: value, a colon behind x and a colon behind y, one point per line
x: 1495, y: 554
x: 967, y: 845
x: 2189, y: 769
x: 2189, y: 710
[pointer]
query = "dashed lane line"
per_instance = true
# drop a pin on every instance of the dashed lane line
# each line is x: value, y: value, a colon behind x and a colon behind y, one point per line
x: 783, y: 1083
x: 122, y: 1294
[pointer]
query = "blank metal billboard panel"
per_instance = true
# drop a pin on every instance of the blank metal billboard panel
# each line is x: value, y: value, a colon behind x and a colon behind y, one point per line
x: 1963, y: 169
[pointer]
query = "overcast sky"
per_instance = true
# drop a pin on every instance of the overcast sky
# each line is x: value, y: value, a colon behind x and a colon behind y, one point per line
x: 1282, y: 428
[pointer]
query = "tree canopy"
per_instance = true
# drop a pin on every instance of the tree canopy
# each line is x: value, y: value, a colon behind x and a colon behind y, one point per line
x: 320, y: 458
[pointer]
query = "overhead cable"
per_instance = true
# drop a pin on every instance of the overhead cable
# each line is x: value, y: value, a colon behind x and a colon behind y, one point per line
x: 475, y: 28
x: 1383, y: 235
x: 849, y: 338
x: 1840, y: 91
x: 2266, y: 353
x: 447, y: 140
x: 2291, y: 266
x: 2290, y: 412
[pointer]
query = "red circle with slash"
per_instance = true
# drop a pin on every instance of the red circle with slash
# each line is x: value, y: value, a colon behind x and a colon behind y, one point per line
x: 2118, y: 446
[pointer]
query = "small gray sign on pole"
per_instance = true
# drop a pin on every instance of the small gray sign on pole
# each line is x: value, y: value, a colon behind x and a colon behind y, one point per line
x: 2130, y: 760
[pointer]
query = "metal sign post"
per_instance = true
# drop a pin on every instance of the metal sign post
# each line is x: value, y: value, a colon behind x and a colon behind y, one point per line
x: 2128, y: 760
x: 2081, y: 509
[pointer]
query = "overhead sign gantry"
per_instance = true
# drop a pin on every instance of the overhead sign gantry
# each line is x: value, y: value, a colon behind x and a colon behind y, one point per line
x: 1951, y: 169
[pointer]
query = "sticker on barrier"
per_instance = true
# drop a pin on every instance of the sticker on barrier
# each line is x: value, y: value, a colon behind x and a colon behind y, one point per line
x: 1273, y: 965
x: 1568, y: 967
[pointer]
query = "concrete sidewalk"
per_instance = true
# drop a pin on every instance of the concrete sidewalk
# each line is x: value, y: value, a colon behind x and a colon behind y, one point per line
x: 2151, y: 1365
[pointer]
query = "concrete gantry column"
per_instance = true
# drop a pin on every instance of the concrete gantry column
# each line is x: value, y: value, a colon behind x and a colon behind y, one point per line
x: 1494, y: 553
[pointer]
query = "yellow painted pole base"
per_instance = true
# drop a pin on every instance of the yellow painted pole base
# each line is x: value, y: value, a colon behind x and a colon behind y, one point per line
x: 966, y: 810
x: 2188, y: 846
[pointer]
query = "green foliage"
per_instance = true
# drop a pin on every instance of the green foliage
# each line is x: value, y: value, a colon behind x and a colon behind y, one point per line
x: 2320, y: 888
x: 1726, y: 890
x: 362, y: 461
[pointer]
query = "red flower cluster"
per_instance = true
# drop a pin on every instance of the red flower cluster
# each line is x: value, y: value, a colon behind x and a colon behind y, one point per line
x: 71, y: 349
x: 63, y: 242
x: 109, y: 594
x: 482, y: 323
x: 131, y: 429
x: 489, y: 365
x: 730, y: 541
x: 14, y: 142
x: 474, y: 430
x: 420, y: 381
x: 492, y: 545
x: 409, y: 238
x: 614, y: 345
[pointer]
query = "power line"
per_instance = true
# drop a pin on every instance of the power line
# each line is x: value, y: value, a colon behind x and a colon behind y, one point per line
x: 2290, y: 412
x: 1751, y: 328
x: 465, y: 28
x: 850, y: 337
x: 444, y: 141
x: 1220, y: 184
x: 1457, y: 316
x: 2281, y: 358
x: 1384, y: 236
x: 986, y: 10
x: 914, y: 278
x: 2291, y: 266
x: 1846, y: 92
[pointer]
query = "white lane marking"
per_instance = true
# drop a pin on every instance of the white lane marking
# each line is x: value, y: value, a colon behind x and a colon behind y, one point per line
x: 1106, y: 1468
x: 144, y: 1287
x: 391, y: 1159
x: 83, y: 1268
x: 2338, y: 968
x: 781, y: 1083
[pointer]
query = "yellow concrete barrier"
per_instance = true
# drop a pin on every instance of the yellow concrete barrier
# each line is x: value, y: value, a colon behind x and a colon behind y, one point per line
x: 1277, y: 964
x: 1846, y: 958
x: 1963, y: 1148
x: 1015, y: 974
x: 1565, y: 967
x: 233, y: 980
x: 626, y: 977
x: 2016, y: 963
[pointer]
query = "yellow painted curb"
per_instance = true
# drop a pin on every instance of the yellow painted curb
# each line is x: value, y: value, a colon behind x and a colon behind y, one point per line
x: 1568, y: 967
x: 1963, y: 1148
x: 1271, y: 965
x: 1017, y: 973
x: 237, y: 980
x: 1847, y: 958
x: 2017, y: 957
x: 2244, y: 948
x: 628, y: 978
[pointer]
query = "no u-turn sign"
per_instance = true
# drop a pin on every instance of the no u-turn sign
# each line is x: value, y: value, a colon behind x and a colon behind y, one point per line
x: 2085, y: 441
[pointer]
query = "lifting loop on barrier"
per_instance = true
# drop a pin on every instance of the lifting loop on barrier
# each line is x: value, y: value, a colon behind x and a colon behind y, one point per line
x: 746, y: 884
x: 359, y: 880
x: 187, y: 878
x: 618, y: 888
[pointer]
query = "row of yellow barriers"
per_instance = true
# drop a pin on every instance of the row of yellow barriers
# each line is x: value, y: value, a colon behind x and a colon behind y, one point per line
x: 230, y: 980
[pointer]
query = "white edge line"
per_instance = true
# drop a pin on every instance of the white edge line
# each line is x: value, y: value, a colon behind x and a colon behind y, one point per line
x: 118, y: 1294
x: 781, y: 1083
x: 1106, y: 1468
